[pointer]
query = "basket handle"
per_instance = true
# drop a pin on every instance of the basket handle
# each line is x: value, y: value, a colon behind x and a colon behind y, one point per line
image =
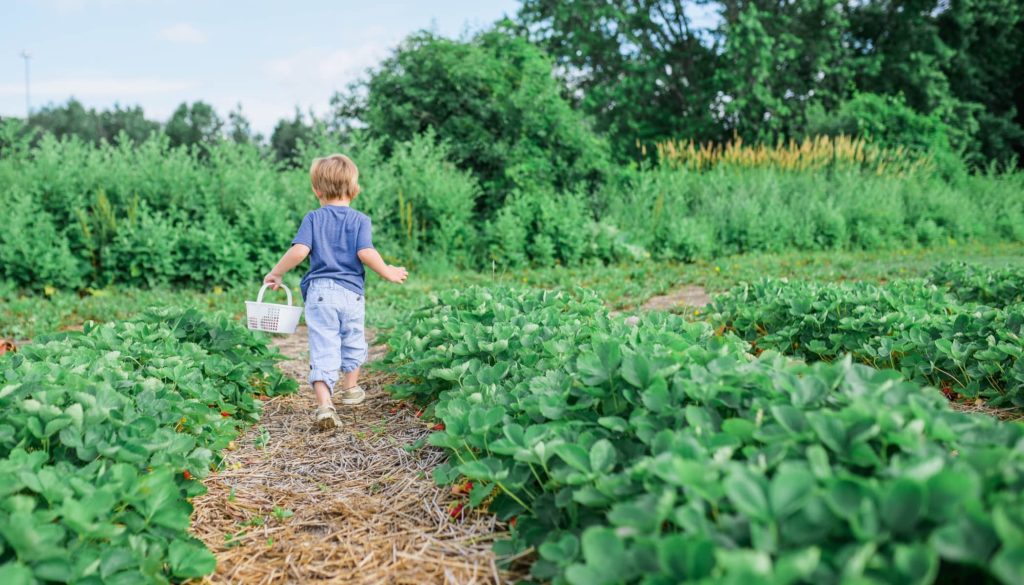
x: 263, y: 289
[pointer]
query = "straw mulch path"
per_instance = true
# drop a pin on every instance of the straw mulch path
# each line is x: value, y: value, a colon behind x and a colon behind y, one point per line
x: 352, y: 505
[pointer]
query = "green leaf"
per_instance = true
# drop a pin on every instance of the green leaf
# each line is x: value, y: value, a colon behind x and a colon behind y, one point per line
x: 965, y: 541
x: 790, y: 489
x: 747, y: 495
x: 600, y: 366
x: 917, y: 564
x: 562, y: 550
x: 574, y: 455
x: 903, y: 503
x: 657, y: 398
x: 602, y: 456
x: 614, y: 423
x: 1008, y: 564
x: 636, y: 369
x: 817, y: 457
x: 797, y: 566
x: 190, y: 559
x: 605, y: 551
x: 829, y: 429
x: 740, y: 428
x: 484, y: 470
x: 790, y: 417
x: 686, y: 557
x: 479, y: 493
x: 15, y: 573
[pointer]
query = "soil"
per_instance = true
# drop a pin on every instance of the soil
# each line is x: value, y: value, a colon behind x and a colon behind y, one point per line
x: 685, y: 296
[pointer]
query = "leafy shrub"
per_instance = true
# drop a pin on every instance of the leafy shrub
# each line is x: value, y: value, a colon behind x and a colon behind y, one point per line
x: 685, y: 215
x: 103, y: 434
x: 664, y: 453
x: 33, y: 254
x: 543, y: 228
x: 150, y: 232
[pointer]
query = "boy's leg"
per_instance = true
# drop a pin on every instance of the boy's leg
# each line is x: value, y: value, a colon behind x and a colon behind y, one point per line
x: 324, y: 348
x: 323, y: 393
x: 350, y: 379
x: 353, y: 349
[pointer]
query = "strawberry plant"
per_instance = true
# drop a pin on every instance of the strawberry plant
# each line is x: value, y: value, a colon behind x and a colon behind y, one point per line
x: 103, y: 436
x: 666, y: 453
x: 978, y: 284
x: 916, y: 328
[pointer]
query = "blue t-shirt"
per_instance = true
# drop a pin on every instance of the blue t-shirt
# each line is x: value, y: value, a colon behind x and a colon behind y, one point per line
x: 334, y: 235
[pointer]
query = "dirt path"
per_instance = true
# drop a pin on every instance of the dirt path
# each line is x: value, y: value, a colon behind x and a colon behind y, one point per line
x: 351, y: 506
x: 685, y: 296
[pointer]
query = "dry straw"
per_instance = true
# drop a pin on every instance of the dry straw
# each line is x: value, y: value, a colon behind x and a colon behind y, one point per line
x: 365, y: 510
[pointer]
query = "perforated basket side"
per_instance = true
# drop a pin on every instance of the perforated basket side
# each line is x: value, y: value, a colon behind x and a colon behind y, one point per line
x: 272, y: 317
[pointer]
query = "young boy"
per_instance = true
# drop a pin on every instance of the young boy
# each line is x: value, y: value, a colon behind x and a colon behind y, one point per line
x: 338, y: 240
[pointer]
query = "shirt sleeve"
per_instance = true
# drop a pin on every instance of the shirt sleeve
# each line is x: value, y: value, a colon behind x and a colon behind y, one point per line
x: 364, y: 239
x: 305, y: 234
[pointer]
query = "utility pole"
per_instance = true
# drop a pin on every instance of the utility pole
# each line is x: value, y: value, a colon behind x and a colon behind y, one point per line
x: 28, y: 102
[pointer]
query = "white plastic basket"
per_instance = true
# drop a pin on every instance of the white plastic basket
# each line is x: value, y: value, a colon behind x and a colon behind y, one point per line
x: 272, y: 317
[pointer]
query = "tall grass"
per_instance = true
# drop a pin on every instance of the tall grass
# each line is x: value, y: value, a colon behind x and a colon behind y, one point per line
x: 810, y: 154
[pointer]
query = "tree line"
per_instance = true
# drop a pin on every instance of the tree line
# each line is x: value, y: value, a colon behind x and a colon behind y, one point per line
x: 566, y: 85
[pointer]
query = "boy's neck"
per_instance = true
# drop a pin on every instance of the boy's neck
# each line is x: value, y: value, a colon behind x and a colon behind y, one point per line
x: 336, y: 203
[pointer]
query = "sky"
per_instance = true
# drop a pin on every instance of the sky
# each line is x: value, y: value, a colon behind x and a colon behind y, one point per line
x: 267, y: 56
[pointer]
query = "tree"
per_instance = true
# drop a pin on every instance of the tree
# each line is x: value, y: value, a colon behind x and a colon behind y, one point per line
x: 239, y: 129
x: 779, y: 59
x: 284, y: 141
x: 197, y: 125
x: 92, y: 126
x: 640, y: 67
x: 987, y: 68
x: 493, y: 100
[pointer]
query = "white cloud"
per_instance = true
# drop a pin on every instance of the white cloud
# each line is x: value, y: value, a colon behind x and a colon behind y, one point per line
x: 123, y: 89
x: 330, y: 67
x: 183, y: 33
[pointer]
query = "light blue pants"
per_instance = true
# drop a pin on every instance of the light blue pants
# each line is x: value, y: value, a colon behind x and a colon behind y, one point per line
x: 337, y: 341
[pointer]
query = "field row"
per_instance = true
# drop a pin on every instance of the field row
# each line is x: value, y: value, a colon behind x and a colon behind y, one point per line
x: 104, y: 435
x: 665, y: 453
x: 961, y: 330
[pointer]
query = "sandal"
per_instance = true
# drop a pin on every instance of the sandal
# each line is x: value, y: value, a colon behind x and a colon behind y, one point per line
x: 327, y: 418
x: 354, y: 395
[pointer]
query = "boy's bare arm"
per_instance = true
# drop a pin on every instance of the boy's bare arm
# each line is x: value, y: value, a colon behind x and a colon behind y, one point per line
x: 292, y: 258
x: 371, y: 258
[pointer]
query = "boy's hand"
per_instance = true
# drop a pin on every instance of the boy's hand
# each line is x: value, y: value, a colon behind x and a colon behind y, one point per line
x: 274, y: 280
x: 396, y: 274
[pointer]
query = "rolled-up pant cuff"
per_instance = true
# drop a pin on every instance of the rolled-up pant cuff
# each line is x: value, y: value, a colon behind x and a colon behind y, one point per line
x: 329, y: 377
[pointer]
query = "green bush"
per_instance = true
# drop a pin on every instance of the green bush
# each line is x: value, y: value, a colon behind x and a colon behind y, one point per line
x: 686, y: 215
x: 33, y: 252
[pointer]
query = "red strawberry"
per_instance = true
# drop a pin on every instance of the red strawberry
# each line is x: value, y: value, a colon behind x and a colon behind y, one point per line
x: 188, y: 476
x: 438, y: 427
x: 454, y: 512
x: 512, y: 522
x: 224, y: 414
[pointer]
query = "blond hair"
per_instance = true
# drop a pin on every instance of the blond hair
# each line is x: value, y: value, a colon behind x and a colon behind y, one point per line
x: 334, y: 177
